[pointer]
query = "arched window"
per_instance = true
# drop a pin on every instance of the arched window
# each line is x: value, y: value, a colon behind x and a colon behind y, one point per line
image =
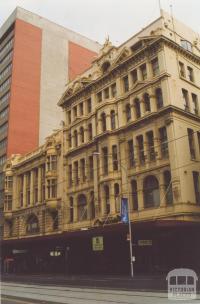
x: 103, y: 122
x: 137, y: 108
x: 71, y: 209
x: 168, y: 187
x: 92, y: 205
x: 90, y: 131
x: 32, y: 224
x: 117, y: 197
x: 112, y: 120
x: 75, y: 138
x: 134, y: 194
x: 151, y: 191
x: 82, y: 207
x: 105, y: 66
x: 147, y: 104
x: 81, y: 135
x: 128, y: 112
x: 54, y: 220
x: 107, y: 198
x: 159, y: 98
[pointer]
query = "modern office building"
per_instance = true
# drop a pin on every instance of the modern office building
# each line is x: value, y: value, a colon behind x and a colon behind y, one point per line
x: 37, y: 58
x: 132, y: 130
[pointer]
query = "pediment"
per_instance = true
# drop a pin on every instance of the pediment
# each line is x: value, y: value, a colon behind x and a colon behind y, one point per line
x: 125, y: 52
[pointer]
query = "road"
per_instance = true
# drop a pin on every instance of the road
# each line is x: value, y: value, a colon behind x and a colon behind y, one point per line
x: 31, y: 293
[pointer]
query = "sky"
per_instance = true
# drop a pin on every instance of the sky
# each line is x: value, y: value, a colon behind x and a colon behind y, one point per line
x: 97, y: 19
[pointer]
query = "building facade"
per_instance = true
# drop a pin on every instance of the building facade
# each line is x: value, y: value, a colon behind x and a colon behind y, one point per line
x: 132, y: 130
x: 37, y: 58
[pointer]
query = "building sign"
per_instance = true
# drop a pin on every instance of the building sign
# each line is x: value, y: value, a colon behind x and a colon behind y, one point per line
x: 124, y: 210
x: 97, y: 243
x: 145, y: 243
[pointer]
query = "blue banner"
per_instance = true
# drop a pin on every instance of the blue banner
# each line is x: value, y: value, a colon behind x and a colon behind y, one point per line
x: 124, y: 210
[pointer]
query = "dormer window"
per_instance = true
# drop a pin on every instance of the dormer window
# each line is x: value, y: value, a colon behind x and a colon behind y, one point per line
x: 105, y: 66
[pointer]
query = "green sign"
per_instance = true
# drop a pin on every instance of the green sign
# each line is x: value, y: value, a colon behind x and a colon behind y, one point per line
x: 97, y: 243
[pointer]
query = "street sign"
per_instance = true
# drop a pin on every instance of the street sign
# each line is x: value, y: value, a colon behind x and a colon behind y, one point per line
x: 97, y: 243
x: 145, y: 243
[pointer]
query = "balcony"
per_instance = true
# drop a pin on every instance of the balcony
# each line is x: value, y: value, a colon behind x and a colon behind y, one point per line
x: 7, y: 215
x: 52, y: 204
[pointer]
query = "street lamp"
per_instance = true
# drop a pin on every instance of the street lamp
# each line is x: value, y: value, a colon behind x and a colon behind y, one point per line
x: 96, y: 153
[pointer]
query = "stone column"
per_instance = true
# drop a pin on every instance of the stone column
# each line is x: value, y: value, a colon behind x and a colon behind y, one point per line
x: 15, y: 200
x: 103, y: 202
x: 140, y: 194
x: 108, y: 122
x: 162, y: 190
x: 32, y: 188
x: 142, y: 107
x: 112, y: 199
x: 75, y: 209
x: 96, y: 159
x: 24, y: 190
x: 39, y: 185
x: 149, y: 70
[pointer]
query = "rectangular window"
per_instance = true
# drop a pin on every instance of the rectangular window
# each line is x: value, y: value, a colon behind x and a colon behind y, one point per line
x: 70, y: 175
x: 198, y: 137
x: 76, y: 175
x: 195, y: 104
x: 151, y: 149
x: 164, y: 142
x: 91, y: 167
x: 106, y: 93
x: 51, y: 163
x: 90, y: 132
x: 182, y: 69
x: 185, y: 99
x: 191, y: 143
x: 75, y: 111
x: 140, y: 143
x: 69, y: 117
x: 99, y: 96
x: 143, y: 70
x: 105, y: 160
x: 89, y: 105
x: 8, y: 182
x: 196, y: 181
x: 114, y: 157
x: 190, y: 74
x: 134, y: 76
x: 125, y: 84
x: 8, y: 203
x: 52, y: 188
x: 82, y: 169
x: 81, y: 108
x: 155, y: 67
x: 113, y: 89
x: 131, y: 153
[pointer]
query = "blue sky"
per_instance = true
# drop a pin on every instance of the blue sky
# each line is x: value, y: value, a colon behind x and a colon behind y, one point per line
x: 96, y: 19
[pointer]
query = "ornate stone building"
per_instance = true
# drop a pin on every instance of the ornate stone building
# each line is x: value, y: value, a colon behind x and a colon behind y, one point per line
x: 132, y: 129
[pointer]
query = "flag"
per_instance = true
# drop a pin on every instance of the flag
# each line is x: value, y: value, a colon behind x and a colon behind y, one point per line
x: 124, y: 210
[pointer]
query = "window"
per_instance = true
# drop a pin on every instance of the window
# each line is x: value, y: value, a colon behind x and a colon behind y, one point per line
x: 186, y: 45
x: 185, y: 99
x: 70, y: 140
x: 134, y: 76
x: 82, y: 139
x: 3, y: 128
x: 89, y: 105
x: 155, y: 66
x: 71, y: 209
x: 112, y: 119
x: 69, y: 118
x: 91, y: 167
x: 106, y: 93
x: 147, y: 102
x: 51, y: 163
x: 137, y: 108
x: 117, y: 197
x: 54, y: 216
x: 107, y: 198
x: 8, y: 202
x: 75, y: 111
x: 151, y: 150
x: 52, y: 188
x: 8, y: 182
x: 113, y: 90
x: 125, y: 84
x: 198, y: 138
x: 143, y: 70
x: 92, y: 205
x: 90, y: 132
x: 128, y: 112
x: 82, y: 169
x: 6, y: 71
x: 2, y: 160
x: 151, y: 192
x: 168, y: 188
x: 4, y: 113
x: 140, y: 143
x: 134, y: 194
x: 70, y: 175
x: 182, y: 69
x: 5, y: 98
x: 81, y: 108
x: 131, y: 153
x: 195, y: 104
x: 159, y: 98
x: 190, y: 74
x: 75, y: 138
x: 76, y: 175
x: 105, y: 160
x: 191, y: 143
x: 164, y: 142
x: 196, y: 182
x: 82, y: 207
x: 99, y: 96
x: 103, y: 122
x: 114, y: 158
x: 5, y: 84
x: 32, y: 224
